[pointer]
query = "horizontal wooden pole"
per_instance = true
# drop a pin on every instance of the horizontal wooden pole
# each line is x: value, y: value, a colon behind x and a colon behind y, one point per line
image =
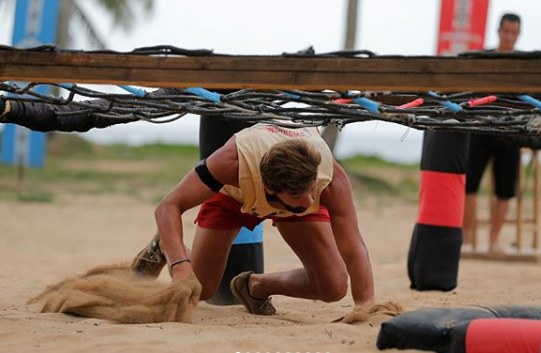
x: 235, y: 72
x: 526, y: 222
x: 510, y: 256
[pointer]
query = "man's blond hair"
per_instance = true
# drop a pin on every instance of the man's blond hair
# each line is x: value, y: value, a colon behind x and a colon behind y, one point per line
x: 290, y: 166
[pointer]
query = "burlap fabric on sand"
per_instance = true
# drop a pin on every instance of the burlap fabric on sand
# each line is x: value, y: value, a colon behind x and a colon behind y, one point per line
x: 112, y: 292
x: 368, y: 310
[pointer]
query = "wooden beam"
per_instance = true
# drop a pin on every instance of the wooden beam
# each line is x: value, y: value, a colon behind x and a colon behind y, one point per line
x: 510, y: 255
x: 234, y: 72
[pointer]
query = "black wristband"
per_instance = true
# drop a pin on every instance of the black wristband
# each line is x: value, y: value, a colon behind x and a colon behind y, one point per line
x: 179, y: 262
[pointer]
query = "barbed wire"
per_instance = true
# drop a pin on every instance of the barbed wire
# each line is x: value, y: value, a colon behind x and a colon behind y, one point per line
x: 501, y: 114
x: 467, y: 111
x: 169, y: 50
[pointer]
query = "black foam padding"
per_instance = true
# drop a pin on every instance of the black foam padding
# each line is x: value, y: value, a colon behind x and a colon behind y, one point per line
x: 445, y: 152
x: 45, y: 117
x: 433, y: 257
x: 457, y: 337
x: 214, y: 133
x: 434, y: 253
x: 439, y: 329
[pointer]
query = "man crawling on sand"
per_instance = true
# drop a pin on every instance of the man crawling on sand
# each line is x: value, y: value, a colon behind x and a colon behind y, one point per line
x: 263, y: 172
x: 266, y: 172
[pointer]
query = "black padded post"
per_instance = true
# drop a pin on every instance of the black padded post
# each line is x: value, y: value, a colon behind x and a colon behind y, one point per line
x: 246, y: 254
x: 434, y: 252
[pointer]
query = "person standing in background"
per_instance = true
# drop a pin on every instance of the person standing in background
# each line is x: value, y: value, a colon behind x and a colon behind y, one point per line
x: 505, y: 157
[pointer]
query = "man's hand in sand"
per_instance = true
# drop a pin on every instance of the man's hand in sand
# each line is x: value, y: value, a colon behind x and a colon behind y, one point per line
x: 182, y: 274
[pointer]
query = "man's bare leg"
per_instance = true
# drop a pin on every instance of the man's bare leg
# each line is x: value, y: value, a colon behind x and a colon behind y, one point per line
x: 498, y: 219
x: 324, y: 276
x: 209, y: 257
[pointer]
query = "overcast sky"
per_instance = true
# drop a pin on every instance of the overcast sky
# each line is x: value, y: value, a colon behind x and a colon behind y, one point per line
x: 407, y: 27
x: 272, y: 27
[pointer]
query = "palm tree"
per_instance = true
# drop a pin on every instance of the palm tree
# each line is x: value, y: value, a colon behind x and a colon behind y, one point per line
x: 71, y: 13
x: 122, y: 11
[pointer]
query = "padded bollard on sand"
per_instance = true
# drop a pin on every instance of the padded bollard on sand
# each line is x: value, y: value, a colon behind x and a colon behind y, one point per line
x: 464, y: 330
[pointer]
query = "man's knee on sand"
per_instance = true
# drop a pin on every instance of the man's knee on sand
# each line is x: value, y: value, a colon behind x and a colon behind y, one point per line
x: 332, y: 289
x: 210, y: 280
x: 210, y: 287
x: 334, y: 293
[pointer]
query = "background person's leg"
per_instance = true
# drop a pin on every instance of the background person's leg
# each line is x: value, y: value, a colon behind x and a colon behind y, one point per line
x: 506, y: 174
x: 498, y: 219
x: 477, y: 159
x: 324, y: 276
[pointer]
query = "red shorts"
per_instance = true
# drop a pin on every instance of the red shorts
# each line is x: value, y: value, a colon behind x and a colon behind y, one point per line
x: 222, y: 212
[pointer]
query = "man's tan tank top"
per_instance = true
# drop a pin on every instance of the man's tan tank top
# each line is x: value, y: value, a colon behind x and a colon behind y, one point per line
x: 252, y: 144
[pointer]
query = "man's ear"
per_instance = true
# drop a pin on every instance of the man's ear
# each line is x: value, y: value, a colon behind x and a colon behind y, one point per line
x: 268, y: 191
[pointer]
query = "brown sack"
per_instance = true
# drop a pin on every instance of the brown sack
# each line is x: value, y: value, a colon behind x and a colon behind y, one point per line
x: 111, y: 292
x: 366, y: 311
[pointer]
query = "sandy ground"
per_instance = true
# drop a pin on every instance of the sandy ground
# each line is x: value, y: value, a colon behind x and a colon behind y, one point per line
x: 44, y: 243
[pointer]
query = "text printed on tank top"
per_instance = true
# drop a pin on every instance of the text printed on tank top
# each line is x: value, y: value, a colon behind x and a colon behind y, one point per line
x: 284, y: 132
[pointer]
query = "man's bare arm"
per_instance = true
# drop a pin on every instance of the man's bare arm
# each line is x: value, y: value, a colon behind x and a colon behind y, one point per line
x: 188, y: 193
x: 338, y: 198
